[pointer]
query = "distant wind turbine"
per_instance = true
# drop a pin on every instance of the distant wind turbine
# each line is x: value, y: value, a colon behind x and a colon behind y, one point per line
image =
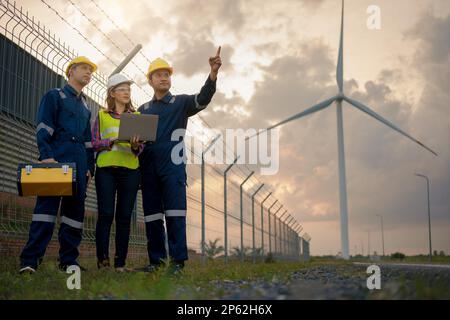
x: 340, y: 135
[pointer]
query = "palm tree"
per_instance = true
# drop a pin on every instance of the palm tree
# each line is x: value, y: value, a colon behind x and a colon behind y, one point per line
x: 212, y: 249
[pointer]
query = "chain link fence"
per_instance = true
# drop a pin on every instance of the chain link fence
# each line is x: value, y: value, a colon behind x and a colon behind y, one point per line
x: 32, y: 61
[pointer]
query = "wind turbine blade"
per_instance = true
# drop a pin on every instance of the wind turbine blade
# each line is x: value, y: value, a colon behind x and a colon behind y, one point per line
x: 340, y: 63
x: 314, y: 108
x: 372, y: 113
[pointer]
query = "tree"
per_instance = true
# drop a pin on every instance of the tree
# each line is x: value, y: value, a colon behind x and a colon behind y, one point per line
x: 212, y: 249
x: 257, y: 252
x: 397, y: 255
x: 269, y: 258
x: 236, y: 251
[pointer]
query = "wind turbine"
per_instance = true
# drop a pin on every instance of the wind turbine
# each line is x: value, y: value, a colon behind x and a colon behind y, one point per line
x: 340, y: 134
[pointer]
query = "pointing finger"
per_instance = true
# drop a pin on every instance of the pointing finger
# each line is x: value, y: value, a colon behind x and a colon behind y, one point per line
x: 218, y: 51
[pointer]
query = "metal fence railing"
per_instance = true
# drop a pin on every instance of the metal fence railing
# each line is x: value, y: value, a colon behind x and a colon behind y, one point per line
x: 32, y: 61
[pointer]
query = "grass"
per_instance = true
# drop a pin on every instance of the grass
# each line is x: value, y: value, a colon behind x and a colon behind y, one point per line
x: 419, y: 259
x: 425, y: 259
x: 196, y: 282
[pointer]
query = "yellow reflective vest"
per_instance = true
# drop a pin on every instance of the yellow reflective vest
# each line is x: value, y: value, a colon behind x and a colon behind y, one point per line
x: 120, y: 154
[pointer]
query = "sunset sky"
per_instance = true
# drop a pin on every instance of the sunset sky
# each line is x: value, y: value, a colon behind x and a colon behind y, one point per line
x: 279, y: 57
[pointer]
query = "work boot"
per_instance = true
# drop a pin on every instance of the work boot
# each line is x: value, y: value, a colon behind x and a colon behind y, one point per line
x: 27, y: 270
x: 123, y: 269
x: 176, y: 268
x: 63, y: 267
x: 148, y: 269
x: 104, y: 264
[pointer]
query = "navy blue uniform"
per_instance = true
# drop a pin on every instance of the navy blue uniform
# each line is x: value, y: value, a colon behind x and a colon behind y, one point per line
x: 163, y: 181
x: 64, y: 133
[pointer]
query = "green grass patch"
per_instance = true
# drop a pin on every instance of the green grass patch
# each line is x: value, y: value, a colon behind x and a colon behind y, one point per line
x: 196, y: 282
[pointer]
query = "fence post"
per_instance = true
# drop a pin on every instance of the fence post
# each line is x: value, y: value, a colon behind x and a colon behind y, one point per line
x: 253, y: 221
x: 241, y: 186
x: 280, y: 222
x: 275, y: 227
x: 270, y: 231
x: 225, y: 214
x: 262, y: 223
x: 203, y: 194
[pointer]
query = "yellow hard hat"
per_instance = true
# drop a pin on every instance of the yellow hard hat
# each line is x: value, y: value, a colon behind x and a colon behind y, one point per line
x: 78, y: 60
x: 158, y: 64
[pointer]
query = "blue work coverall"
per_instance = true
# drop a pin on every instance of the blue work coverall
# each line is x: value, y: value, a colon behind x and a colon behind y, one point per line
x: 163, y: 181
x: 64, y: 133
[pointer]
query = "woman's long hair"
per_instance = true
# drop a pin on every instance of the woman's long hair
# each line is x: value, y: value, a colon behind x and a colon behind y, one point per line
x: 111, y: 103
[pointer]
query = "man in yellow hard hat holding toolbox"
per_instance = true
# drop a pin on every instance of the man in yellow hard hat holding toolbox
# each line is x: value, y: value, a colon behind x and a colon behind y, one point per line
x: 63, y: 135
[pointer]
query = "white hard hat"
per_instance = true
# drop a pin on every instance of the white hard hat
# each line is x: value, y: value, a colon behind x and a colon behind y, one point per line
x: 117, y: 79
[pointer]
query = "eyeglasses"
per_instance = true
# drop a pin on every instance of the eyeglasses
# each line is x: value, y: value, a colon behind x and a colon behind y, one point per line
x: 122, y: 90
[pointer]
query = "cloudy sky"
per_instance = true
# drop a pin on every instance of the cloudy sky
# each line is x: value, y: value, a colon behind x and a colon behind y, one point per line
x: 279, y: 58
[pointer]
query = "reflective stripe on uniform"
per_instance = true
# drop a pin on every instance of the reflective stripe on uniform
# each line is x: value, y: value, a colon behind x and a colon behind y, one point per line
x: 118, y: 148
x: 121, y: 148
x: 44, y: 218
x: 85, y: 104
x: 62, y: 94
x: 42, y: 125
x: 73, y: 223
x: 109, y: 131
x: 197, y: 105
x: 88, y: 144
x: 153, y: 217
x: 175, y: 213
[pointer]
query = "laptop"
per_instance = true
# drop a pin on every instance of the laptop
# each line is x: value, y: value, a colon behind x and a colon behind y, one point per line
x: 144, y: 125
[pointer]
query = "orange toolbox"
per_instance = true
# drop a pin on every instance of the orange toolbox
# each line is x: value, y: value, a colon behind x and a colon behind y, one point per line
x: 46, y: 179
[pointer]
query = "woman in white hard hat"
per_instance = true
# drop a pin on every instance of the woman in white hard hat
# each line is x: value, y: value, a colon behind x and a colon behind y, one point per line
x: 117, y: 173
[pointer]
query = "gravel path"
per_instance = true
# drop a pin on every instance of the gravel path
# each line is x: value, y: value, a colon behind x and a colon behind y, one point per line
x: 344, y: 282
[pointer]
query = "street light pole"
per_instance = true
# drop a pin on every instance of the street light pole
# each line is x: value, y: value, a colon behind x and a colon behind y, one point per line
x: 382, y: 232
x: 225, y: 214
x: 429, y: 213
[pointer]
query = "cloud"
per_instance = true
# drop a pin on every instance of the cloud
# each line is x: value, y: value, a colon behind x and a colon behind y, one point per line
x: 289, y: 84
x: 192, y: 54
x: 380, y: 162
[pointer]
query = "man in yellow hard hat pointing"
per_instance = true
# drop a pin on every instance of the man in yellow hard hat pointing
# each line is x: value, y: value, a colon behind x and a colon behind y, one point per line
x: 163, y: 180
